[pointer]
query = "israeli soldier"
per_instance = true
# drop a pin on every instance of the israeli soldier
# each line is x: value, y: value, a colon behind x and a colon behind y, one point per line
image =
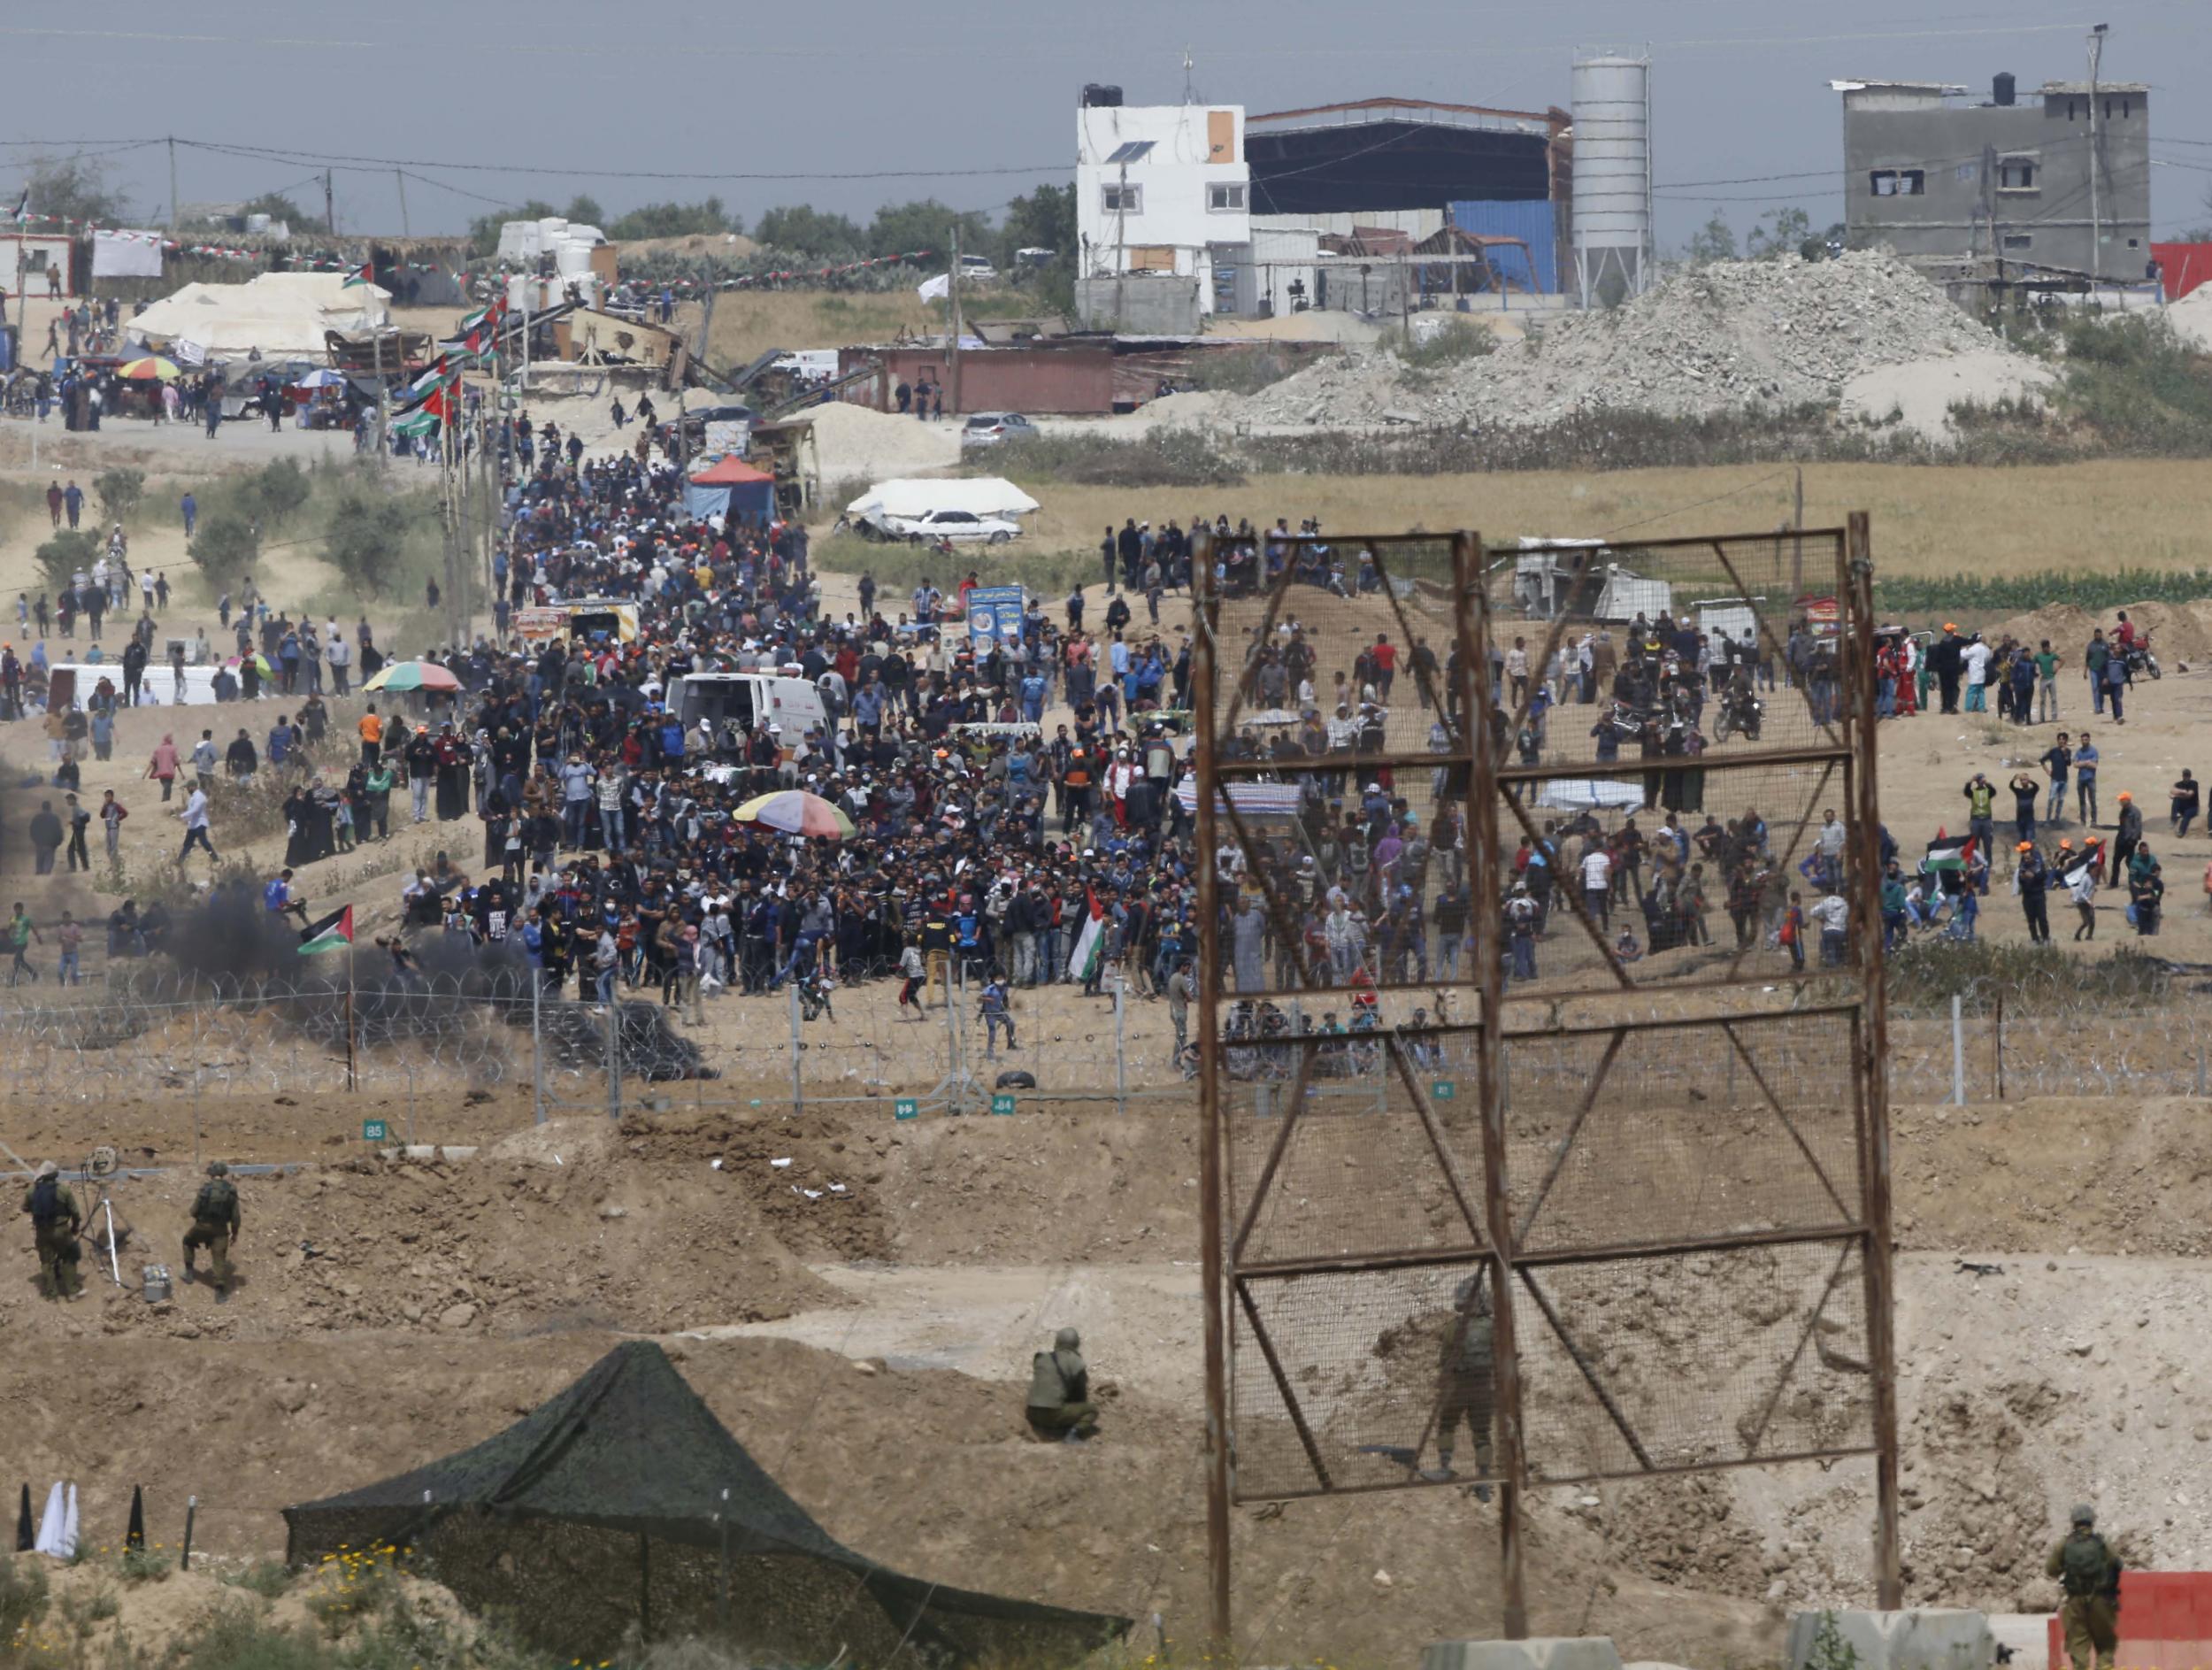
x: 1468, y: 1387
x: 214, y: 1226
x: 55, y: 1219
x: 1060, y: 1409
x: 2089, y: 1572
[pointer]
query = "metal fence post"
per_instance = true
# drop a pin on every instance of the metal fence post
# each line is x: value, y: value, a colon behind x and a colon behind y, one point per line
x: 1121, y: 1045
x: 537, y: 1047
x: 614, y: 1056
x: 1958, y: 1055
x: 798, y: 1093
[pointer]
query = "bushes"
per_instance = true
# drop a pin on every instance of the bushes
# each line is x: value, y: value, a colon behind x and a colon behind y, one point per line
x: 2140, y: 388
x: 120, y: 492
x: 225, y: 548
x: 1997, y: 596
x: 23, y: 1597
x: 367, y: 536
x: 64, y: 553
x: 1925, y: 975
x: 1457, y: 341
x: 1159, y: 458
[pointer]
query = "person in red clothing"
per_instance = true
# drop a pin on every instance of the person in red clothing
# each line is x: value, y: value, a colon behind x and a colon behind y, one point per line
x: 1385, y: 655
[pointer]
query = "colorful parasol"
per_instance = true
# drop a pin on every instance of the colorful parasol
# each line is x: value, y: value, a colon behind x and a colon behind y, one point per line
x: 412, y: 675
x: 795, y: 812
x: 153, y: 368
x: 259, y: 660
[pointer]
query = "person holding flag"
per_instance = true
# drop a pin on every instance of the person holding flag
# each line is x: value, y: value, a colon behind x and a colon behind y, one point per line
x: 1086, y: 962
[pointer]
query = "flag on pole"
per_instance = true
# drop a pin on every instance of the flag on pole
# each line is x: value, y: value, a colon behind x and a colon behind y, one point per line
x: 332, y: 931
x: 365, y: 273
x: 23, y: 208
x: 1090, y: 946
x: 1950, y: 853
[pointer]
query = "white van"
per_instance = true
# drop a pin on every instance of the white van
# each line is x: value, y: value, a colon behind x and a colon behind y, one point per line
x: 752, y: 699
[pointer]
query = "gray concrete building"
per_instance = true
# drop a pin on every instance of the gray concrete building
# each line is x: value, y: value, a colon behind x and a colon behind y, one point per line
x: 2057, y: 180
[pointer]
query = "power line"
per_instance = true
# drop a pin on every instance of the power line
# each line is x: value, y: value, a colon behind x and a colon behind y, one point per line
x: 319, y: 160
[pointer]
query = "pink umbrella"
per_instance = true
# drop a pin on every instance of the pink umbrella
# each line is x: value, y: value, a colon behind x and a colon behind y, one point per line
x: 795, y: 812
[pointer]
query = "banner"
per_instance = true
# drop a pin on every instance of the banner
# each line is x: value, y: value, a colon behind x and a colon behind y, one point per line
x: 125, y: 255
x: 995, y: 612
x: 185, y: 351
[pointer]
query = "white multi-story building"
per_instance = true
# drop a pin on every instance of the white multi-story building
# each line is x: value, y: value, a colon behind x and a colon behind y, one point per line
x: 1159, y: 187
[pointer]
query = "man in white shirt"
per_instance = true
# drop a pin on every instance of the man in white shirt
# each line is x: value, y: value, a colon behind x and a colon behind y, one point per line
x: 1597, y: 885
x: 1975, y: 659
x: 194, y: 813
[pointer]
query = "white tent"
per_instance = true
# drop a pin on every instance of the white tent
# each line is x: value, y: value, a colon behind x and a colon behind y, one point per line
x: 979, y: 495
x: 283, y: 314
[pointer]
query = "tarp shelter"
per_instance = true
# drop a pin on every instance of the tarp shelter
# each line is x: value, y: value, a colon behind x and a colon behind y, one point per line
x: 624, y: 1503
x: 283, y: 314
x: 978, y: 496
x: 733, y: 489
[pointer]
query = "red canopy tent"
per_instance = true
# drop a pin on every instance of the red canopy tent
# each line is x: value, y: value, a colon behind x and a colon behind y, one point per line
x: 735, y: 489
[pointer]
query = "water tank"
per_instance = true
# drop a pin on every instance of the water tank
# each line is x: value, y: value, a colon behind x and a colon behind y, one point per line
x: 1099, y: 97
x: 1612, y: 175
x: 2000, y: 88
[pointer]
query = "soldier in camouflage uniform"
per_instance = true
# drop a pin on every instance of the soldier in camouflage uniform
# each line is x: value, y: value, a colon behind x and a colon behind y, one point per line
x: 1060, y: 1409
x: 215, y: 1224
x: 55, y: 1219
x: 2089, y: 1572
x: 1468, y: 1386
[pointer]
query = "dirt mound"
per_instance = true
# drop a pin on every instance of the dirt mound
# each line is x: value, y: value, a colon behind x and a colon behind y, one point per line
x: 2179, y: 631
x: 1733, y: 336
x: 856, y: 441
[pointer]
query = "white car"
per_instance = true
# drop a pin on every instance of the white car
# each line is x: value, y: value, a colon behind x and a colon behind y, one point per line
x: 961, y: 528
x: 989, y: 429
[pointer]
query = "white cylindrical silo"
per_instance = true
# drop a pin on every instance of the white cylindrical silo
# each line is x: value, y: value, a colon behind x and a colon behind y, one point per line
x: 1612, y: 173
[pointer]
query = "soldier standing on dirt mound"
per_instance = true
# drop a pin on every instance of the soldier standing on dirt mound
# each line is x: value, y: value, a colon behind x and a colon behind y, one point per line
x: 215, y: 1223
x: 55, y: 1219
x: 1060, y: 1409
x: 2089, y: 1572
x: 1469, y: 1389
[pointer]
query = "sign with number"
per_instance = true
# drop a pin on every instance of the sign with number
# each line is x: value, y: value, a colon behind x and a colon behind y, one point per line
x: 372, y: 1130
x: 1444, y: 1089
x: 906, y: 1108
x: 1002, y: 1105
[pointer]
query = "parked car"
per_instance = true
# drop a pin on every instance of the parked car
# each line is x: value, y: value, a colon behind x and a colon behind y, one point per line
x: 695, y: 422
x: 977, y: 269
x: 958, y: 528
x: 989, y: 429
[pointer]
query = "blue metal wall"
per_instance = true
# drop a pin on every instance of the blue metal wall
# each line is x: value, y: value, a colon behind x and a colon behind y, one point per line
x: 1530, y: 221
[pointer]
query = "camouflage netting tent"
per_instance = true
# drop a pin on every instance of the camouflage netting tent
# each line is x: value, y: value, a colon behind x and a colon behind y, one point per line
x: 622, y: 1504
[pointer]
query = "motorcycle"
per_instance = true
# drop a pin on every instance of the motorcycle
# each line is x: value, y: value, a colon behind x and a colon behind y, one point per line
x: 1743, y: 713
x: 2140, y: 659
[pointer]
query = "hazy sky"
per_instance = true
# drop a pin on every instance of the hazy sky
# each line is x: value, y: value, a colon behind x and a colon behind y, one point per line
x: 502, y: 101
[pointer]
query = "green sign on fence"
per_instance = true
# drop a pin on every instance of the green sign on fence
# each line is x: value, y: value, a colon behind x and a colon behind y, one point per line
x: 1444, y: 1089
x: 372, y: 1130
x: 906, y: 1108
x: 1002, y: 1105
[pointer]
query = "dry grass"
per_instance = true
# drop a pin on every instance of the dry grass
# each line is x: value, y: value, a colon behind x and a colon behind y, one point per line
x: 748, y: 325
x: 1932, y: 521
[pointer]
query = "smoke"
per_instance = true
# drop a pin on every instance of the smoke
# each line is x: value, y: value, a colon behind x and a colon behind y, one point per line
x: 230, y: 948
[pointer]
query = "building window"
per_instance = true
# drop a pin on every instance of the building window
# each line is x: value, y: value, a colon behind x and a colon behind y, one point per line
x: 2017, y: 173
x: 1121, y: 199
x: 2015, y: 241
x: 2135, y: 243
x: 1225, y: 199
x: 1899, y: 182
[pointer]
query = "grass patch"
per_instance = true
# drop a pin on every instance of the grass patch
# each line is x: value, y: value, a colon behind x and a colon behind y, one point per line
x: 898, y: 569
x: 1239, y: 370
x: 24, y: 1597
x: 1159, y: 458
x: 2140, y: 388
x: 1995, y: 596
x: 268, y: 1579
x: 143, y: 1565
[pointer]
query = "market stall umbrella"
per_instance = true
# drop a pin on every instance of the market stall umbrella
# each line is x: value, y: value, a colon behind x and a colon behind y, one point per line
x: 413, y: 675
x: 153, y: 368
x: 323, y: 378
x: 795, y: 812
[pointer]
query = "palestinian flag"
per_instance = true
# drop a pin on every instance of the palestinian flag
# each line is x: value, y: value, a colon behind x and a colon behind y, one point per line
x: 1091, y: 944
x: 23, y: 208
x: 437, y: 409
x: 333, y: 931
x: 1950, y: 853
x: 362, y: 274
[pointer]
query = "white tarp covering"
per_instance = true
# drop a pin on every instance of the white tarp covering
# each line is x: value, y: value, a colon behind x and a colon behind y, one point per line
x: 1598, y: 794
x: 126, y: 255
x: 980, y: 495
x: 283, y: 314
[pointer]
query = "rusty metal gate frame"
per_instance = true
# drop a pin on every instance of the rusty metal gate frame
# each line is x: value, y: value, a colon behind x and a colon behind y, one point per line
x: 1494, y: 1243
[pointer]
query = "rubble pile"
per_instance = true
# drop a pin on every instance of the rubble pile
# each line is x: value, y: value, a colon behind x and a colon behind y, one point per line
x: 1730, y: 337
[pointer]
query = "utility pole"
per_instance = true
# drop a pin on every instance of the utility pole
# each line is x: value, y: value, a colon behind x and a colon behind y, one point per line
x: 330, y: 206
x: 952, y: 302
x: 2096, y: 155
x: 400, y: 180
x: 173, y: 185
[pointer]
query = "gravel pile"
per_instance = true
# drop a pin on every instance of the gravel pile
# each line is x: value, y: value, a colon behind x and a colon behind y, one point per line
x: 1712, y: 340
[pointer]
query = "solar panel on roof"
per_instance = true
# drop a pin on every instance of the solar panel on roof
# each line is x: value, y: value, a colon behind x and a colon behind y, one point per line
x: 1132, y: 150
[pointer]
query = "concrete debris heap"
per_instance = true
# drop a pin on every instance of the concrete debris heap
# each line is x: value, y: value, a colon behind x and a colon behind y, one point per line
x: 1731, y: 337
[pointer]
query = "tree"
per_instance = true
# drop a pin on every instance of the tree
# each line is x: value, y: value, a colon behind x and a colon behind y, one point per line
x: 274, y: 494
x: 225, y: 547
x: 61, y: 557
x: 1714, y: 241
x: 75, y: 189
x: 368, y: 531
x: 277, y: 206
x: 1044, y: 219
x: 673, y: 220
x: 804, y: 230
x: 900, y: 228
x: 1777, y: 233
x: 1826, y: 246
x: 584, y: 208
x: 119, y: 492
x: 484, y: 230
